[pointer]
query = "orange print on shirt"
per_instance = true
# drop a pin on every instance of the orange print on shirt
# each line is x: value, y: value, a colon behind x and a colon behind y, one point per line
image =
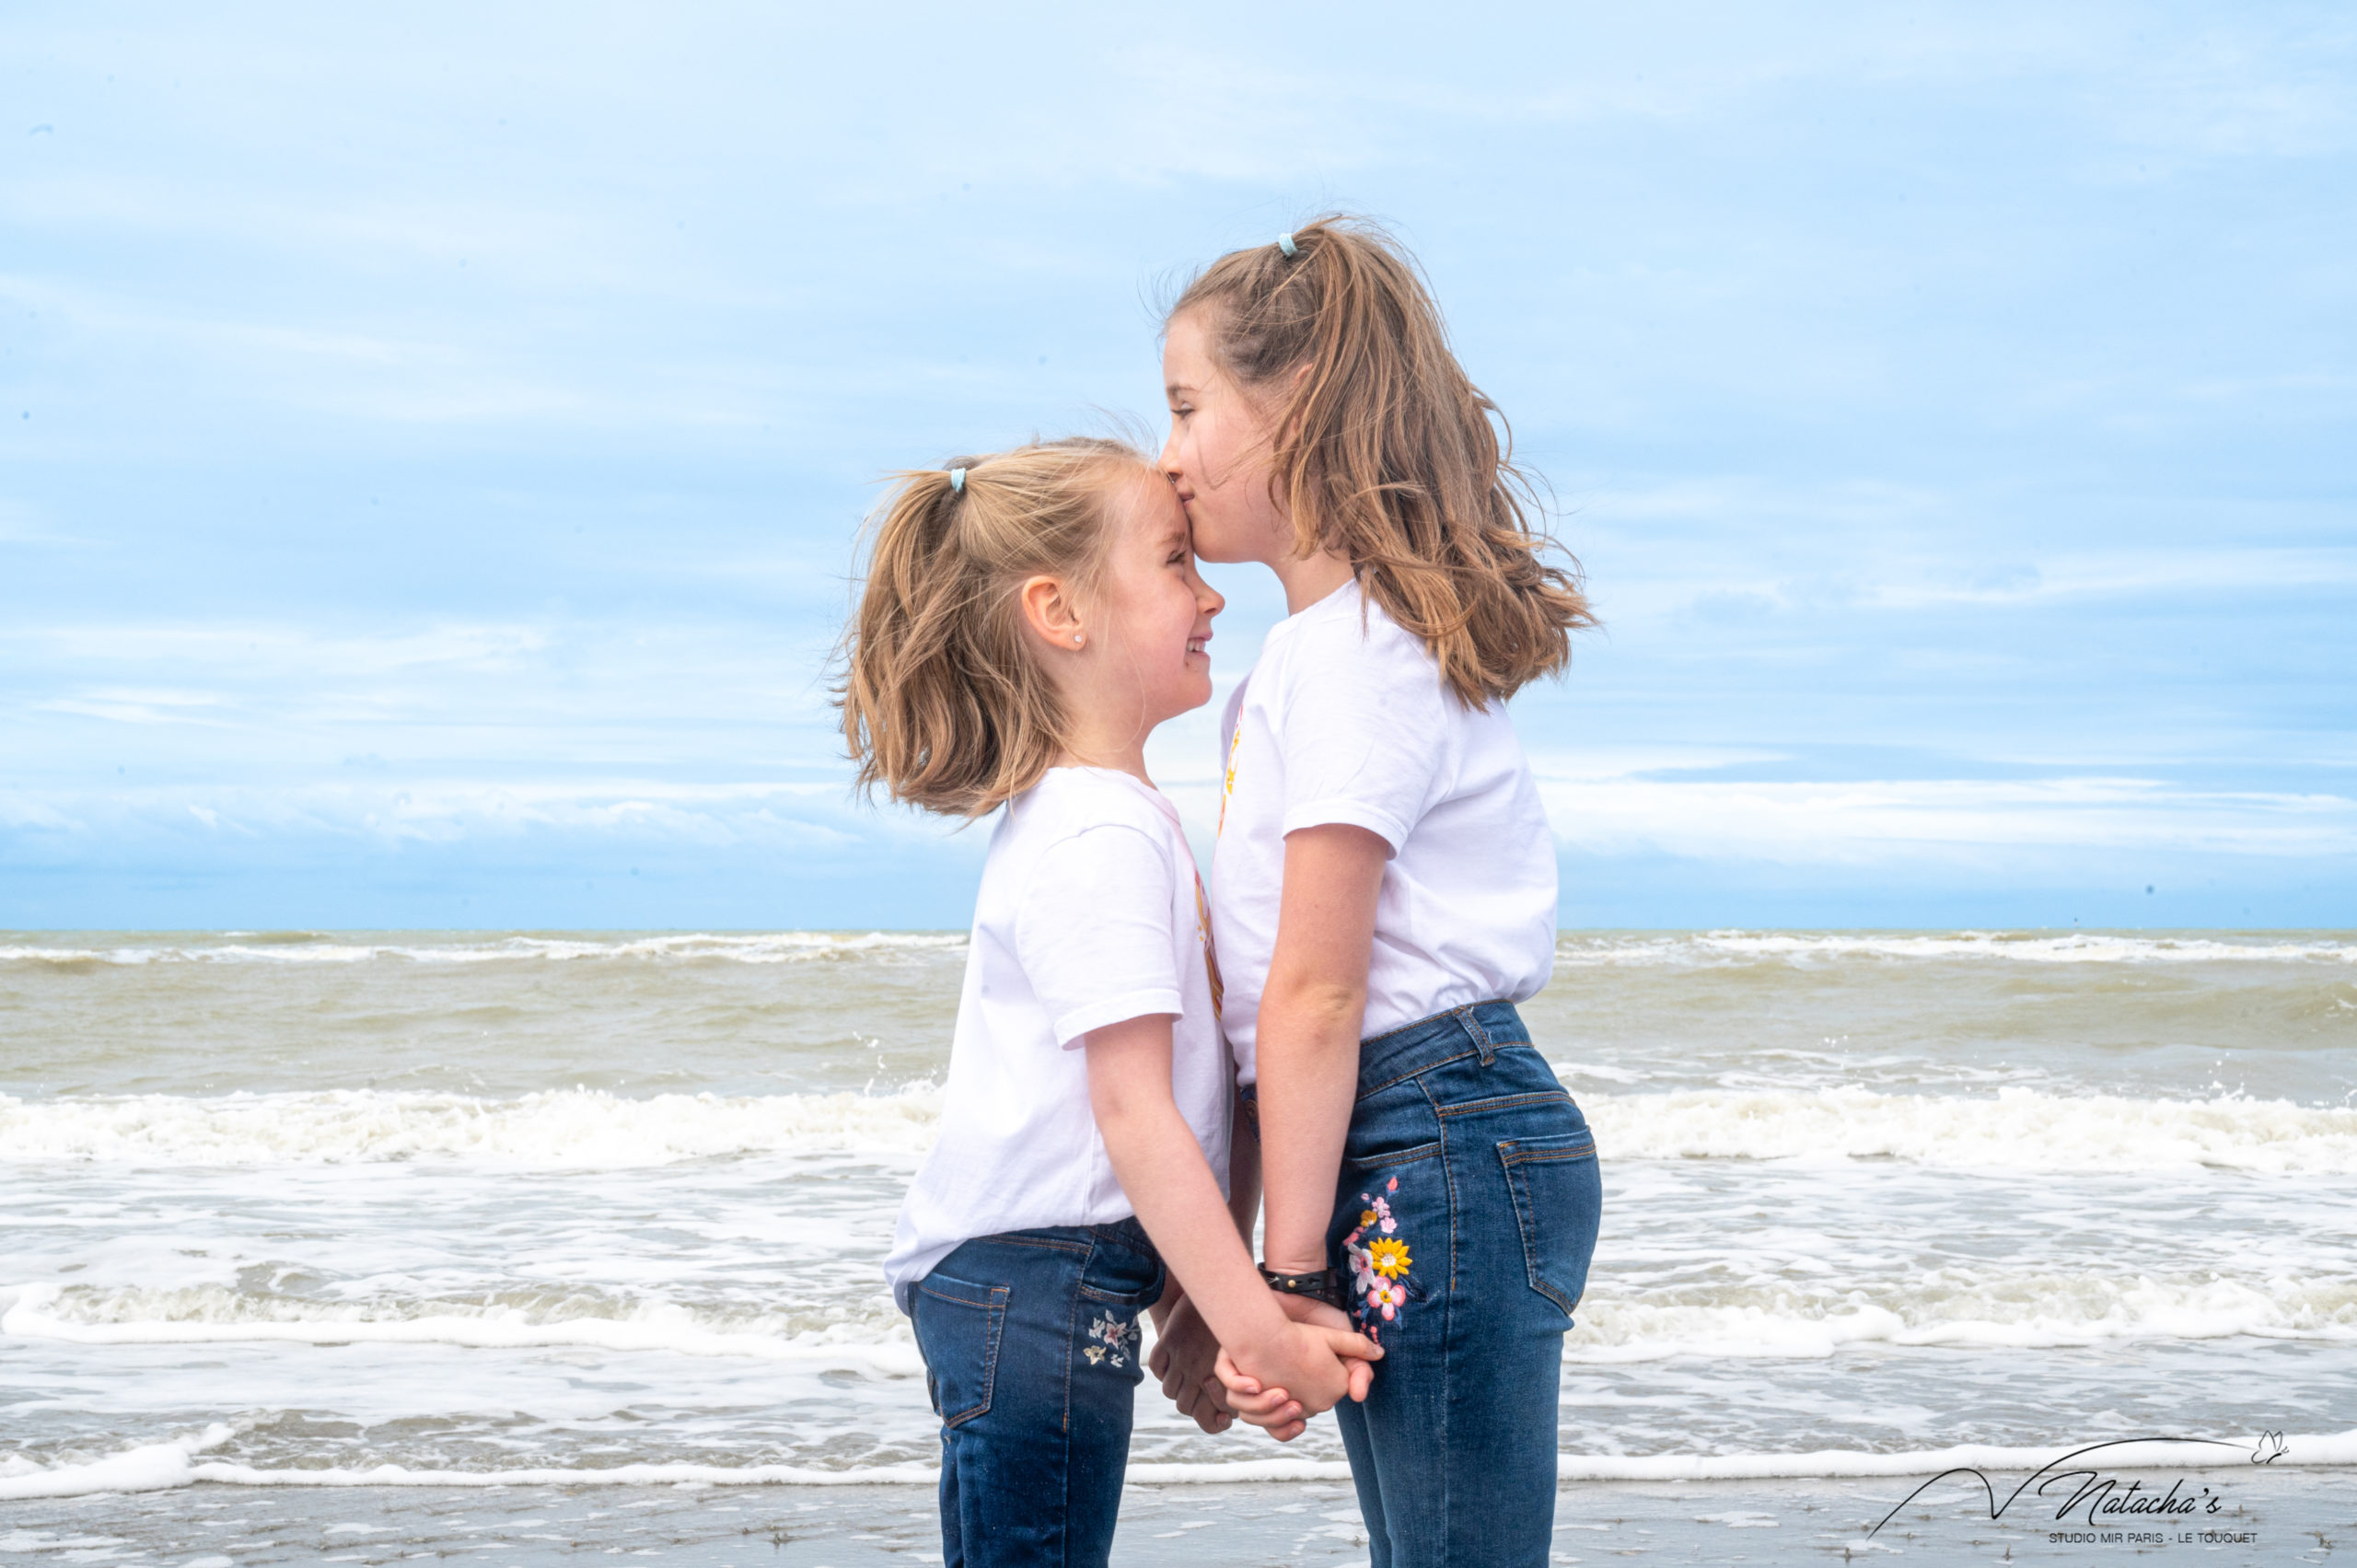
x: 1227, y: 785
x: 1203, y: 930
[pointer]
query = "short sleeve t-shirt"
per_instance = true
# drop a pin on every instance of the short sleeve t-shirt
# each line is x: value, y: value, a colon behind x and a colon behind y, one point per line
x: 1089, y: 914
x: 1346, y: 719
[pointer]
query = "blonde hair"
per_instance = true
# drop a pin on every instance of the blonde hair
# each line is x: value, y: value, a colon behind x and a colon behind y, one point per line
x: 944, y: 705
x: 1387, y: 454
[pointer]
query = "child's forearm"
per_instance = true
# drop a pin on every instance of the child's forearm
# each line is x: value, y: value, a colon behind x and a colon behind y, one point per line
x: 1308, y: 1062
x: 1244, y: 1176
x: 1162, y: 1168
x: 1243, y: 1207
x: 1172, y: 1293
x: 1307, y: 1031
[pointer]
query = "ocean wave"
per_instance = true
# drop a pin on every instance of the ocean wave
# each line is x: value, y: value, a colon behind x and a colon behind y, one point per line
x: 2017, y: 1130
x: 159, y: 1467
x: 557, y: 1129
x: 757, y: 947
x: 1789, y: 1317
x: 880, y: 1343
x: 1982, y: 1309
x: 1572, y: 949
x: 1576, y: 950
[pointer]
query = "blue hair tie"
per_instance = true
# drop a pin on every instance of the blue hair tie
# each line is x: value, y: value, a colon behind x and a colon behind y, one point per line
x: 1285, y: 244
x: 956, y: 482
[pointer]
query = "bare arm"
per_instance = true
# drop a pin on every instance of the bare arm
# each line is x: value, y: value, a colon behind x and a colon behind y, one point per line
x: 1243, y: 1200
x: 1308, y: 1031
x: 1244, y: 1176
x: 1163, y: 1171
x: 1186, y: 1354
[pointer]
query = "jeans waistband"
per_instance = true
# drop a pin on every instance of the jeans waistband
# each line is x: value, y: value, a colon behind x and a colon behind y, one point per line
x: 1129, y: 1232
x: 1477, y: 1028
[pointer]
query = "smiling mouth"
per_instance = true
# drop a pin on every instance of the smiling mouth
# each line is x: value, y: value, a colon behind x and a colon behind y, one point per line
x: 1195, y: 645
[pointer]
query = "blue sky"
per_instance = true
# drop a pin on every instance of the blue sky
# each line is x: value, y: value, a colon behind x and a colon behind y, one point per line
x: 434, y: 436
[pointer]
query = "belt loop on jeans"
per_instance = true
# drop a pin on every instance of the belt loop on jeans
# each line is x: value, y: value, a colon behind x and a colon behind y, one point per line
x: 1481, y: 1040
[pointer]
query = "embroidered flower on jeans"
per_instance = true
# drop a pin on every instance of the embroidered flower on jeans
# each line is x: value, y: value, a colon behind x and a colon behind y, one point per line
x: 1379, y: 1264
x: 1117, y: 1341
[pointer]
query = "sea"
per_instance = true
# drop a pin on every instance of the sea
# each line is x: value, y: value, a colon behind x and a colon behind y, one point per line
x: 491, y: 1208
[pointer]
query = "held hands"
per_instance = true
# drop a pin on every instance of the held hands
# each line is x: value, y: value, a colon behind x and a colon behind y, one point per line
x: 1184, y: 1351
x: 1307, y: 1367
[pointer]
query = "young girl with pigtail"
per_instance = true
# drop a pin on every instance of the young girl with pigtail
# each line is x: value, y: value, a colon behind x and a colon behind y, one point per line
x: 1383, y: 891
x: 1027, y: 618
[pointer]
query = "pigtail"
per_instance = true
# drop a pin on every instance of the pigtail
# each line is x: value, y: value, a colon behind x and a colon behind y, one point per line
x: 1387, y: 453
x: 943, y: 707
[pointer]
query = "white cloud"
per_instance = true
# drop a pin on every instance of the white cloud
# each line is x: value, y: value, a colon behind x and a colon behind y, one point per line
x: 139, y: 705
x: 1938, y: 819
x: 591, y: 812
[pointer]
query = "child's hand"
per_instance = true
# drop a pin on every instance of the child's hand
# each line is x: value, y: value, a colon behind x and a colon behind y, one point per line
x: 1184, y: 1355
x: 1273, y: 1410
x: 1308, y: 1367
x: 1318, y: 1314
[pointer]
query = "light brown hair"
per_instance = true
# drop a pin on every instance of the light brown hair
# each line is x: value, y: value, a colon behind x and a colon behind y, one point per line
x: 1387, y: 453
x: 944, y: 705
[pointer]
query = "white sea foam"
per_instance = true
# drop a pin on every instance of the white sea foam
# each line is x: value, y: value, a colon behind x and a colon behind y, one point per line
x: 1573, y: 948
x: 569, y: 1129
x: 211, y: 1315
x: 150, y: 1467
x: 1576, y: 950
x: 1985, y: 1308
x: 2017, y: 1130
x: 1989, y: 1308
x: 763, y: 947
x: 163, y: 1466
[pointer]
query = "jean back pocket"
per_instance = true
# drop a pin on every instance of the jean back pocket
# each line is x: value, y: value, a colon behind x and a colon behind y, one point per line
x: 1559, y: 1204
x: 958, y: 1325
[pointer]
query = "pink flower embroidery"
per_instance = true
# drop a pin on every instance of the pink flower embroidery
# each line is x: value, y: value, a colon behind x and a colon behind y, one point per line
x: 1118, y: 1340
x: 1378, y: 1261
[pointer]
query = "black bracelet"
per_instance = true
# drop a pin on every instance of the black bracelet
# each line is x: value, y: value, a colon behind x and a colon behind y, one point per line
x: 1324, y: 1284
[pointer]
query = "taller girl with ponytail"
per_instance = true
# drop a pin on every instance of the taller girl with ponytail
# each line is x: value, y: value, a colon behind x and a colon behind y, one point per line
x: 1383, y: 892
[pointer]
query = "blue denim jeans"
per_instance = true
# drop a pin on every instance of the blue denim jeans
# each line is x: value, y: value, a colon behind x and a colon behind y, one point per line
x: 1464, y: 1217
x: 1030, y: 1343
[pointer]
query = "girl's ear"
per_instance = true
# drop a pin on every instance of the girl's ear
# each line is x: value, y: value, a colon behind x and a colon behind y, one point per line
x: 1050, y: 613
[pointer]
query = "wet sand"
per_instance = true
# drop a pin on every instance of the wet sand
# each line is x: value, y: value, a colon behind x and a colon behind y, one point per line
x: 2288, y: 1515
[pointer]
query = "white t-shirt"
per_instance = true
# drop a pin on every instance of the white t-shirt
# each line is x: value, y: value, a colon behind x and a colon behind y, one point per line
x: 1348, y: 720
x: 1090, y: 913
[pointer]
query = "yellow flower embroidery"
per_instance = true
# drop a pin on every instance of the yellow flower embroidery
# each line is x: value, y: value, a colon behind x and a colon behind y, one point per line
x: 1366, y: 1218
x: 1390, y: 1257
